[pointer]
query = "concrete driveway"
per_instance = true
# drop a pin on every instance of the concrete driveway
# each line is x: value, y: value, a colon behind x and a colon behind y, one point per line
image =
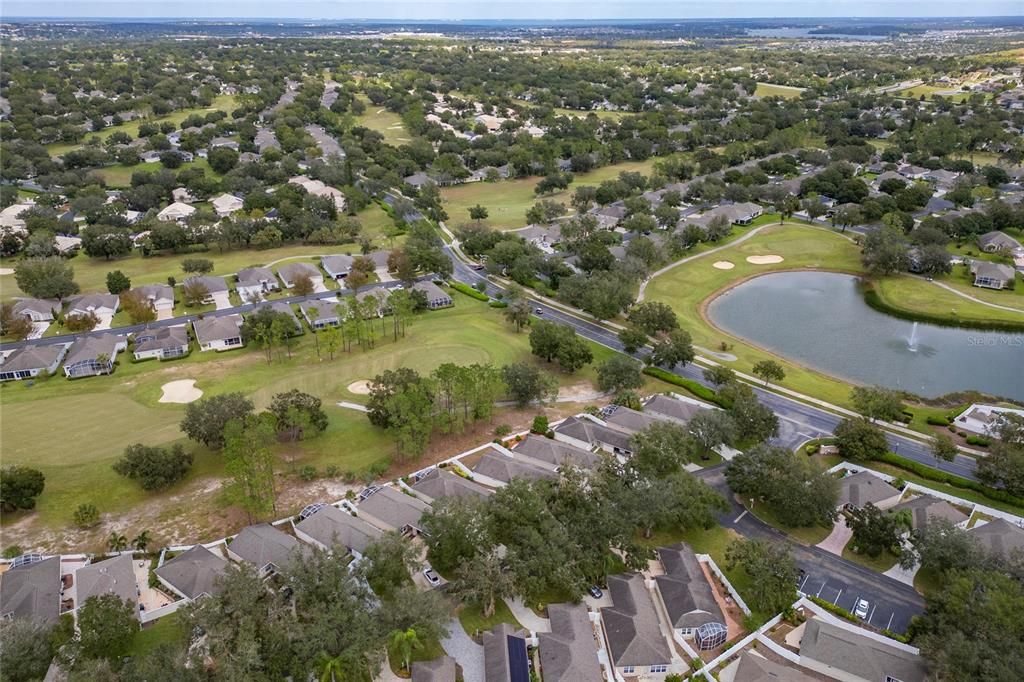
x: 105, y: 321
x: 221, y: 299
x: 465, y: 651
x: 837, y: 539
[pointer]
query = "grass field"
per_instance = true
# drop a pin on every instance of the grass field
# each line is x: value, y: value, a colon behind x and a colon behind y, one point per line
x: 473, y: 621
x: 120, y: 175
x: 83, y: 426
x: 508, y: 200
x: 166, y: 630
x: 774, y: 90
x: 880, y: 564
x: 919, y: 296
x: 807, y: 535
x: 387, y: 123
x: 930, y: 90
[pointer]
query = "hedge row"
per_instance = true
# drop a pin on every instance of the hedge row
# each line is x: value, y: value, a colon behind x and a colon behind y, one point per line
x: 931, y: 474
x: 937, y: 421
x: 497, y: 304
x: 832, y: 608
x: 699, y: 390
x: 469, y: 291
x: 874, y: 300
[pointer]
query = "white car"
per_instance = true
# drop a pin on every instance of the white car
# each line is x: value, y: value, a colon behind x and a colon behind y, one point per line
x: 431, y: 576
x: 861, y: 609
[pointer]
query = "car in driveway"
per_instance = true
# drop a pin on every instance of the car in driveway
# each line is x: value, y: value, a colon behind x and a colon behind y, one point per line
x: 595, y: 592
x: 861, y: 609
x: 432, y: 577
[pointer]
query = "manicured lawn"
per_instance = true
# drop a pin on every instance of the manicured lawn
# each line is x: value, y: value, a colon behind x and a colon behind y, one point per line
x: 774, y: 90
x: 387, y: 123
x: 473, y: 621
x: 929, y: 90
x: 914, y: 294
x: 882, y: 563
x: 688, y: 286
x: 807, y: 535
x: 166, y: 630
x: 508, y: 200
x: 927, y: 581
x: 429, y: 650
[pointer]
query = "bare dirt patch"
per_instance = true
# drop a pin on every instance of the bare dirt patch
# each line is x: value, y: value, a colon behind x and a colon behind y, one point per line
x: 361, y: 387
x: 181, y: 391
x: 579, y: 393
x: 723, y: 265
x: 765, y: 260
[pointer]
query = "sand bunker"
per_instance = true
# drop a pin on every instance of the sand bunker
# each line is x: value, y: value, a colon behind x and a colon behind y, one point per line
x: 723, y: 265
x: 359, y: 387
x: 181, y: 391
x: 764, y: 260
x: 6, y: 271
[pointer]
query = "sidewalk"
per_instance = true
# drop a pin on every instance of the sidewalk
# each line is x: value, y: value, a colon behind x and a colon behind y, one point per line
x: 530, y: 620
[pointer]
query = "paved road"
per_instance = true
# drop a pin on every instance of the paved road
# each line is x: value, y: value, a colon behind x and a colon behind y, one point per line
x: 830, y: 577
x: 798, y: 421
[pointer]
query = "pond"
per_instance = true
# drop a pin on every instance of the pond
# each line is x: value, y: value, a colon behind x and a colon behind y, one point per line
x: 820, y: 320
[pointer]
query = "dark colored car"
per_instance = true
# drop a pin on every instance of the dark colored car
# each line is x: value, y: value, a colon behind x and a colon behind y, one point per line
x: 595, y: 592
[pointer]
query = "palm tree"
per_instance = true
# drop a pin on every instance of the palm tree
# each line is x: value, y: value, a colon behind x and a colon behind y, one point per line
x: 117, y: 542
x: 103, y: 360
x: 331, y: 668
x: 141, y: 541
x: 403, y: 643
x: 314, y: 314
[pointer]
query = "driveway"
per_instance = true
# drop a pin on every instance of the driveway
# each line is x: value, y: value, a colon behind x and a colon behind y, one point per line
x: 530, y: 620
x: 383, y: 275
x: 165, y: 313
x: 104, y: 322
x: 222, y: 300
x: 38, y: 329
x: 465, y: 651
x: 838, y: 538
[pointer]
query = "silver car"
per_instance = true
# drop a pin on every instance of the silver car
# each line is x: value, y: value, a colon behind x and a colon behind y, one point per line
x: 861, y: 609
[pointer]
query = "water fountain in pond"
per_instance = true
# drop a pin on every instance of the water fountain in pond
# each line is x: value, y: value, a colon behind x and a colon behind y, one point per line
x: 912, y: 341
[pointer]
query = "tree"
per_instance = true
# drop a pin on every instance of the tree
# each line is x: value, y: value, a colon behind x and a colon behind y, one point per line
x: 19, y: 487
x: 653, y: 317
x: 141, y: 541
x: 194, y: 293
x: 559, y: 342
x: 719, y: 375
x: 672, y: 349
x: 860, y: 439
x: 754, y: 422
x: 155, y: 468
x: 478, y: 213
x: 140, y: 310
x: 455, y: 532
x: 82, y: 322
x: 46, y: 277
x: 205, y: 419
x: 573, y: 352
x: 1004, y: 465
x: 118, y: 282
x: 302, y: 284
x: 483, y: 580
x: 296, y: 412
x: 711, y: 428
x: 772, y: 571
x: 197, y: 266
x: 877, y: 402
x: 874, y: 531
x: 249, y: 464
x: 769, y: 370
x: 18, y: 327
x: 944, y: 448
x: 117, y: 542
x: 27, y: 648
x: 518, y: 313
x: 798, y: 491
x: 885, y: 251
x: 106, y: 626
x: 101, y: 241
x: 528, y: 384
x: 632, y: 339
x: 86, y: 516
x: 387, y: 563
x: 403, y: 643
x: 661, y: 449
x: 619, y: 373
x: 222, y: 159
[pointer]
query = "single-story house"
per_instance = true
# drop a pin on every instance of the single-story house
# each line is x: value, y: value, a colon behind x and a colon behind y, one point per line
x: 439, y: 483
x: 856, y: 490
x: 163, y: 343
x: 93, y: 355
x: 193, y: 573
x: 337, y: 266
x: 842, y: 652
x: 737, y: 214
x: 253, y: 283
x: 685, y: 592
x: 586, y: 432
x: 223, y: 142
x: 319, y: 189
x: 382, y: 296
x: 31, y: 590
x: 679, y: 411
x: 499, y: 469
x: 176, y: 211
x: 38, y: 309
x: 622, y: 418
x: 984, y: 419
x: 913, y: 172
x: 438, y: 670
x: 182, y: 195
x: 557, y: 453
x: 160, y: 296
x: 999, y: 536
x: 390, y: 509
x: 265, y: 547
x: 32, y: 361
x: 635, y: 642
x: 289, y: 272
x: 226, y: 204
x: 888, y: 175
x: 282, y: 307
x: 436, y: 296
x: 100, y: 304
x: 112, y: 576
x: 330, y: 526
x: 219, y: 333
x: 505, y: 655
x: 923, y: 508
x: 320, y: 314
x: 992, y: 275
x: 994, y: 241
x: 752, y: 666
x: 212, y: 283
x: 569, y: 652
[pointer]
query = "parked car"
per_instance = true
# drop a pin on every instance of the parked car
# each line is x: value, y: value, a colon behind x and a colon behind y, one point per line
x: 861, y: 609
x: 431, y: 576
x: 478, y: 267
x: 538, y: 311
x: 595, y: 592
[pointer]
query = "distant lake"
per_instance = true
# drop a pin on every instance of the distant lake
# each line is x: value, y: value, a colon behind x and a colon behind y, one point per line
x: 820, y: 320
x: 805, y: 33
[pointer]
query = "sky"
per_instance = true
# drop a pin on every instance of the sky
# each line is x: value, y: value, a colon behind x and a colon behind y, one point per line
x: 506, y: 9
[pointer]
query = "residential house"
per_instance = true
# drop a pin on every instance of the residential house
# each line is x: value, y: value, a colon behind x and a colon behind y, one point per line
x: 99, y: 304
x: 282, y: 307
x: 319, y: 189
x: 635, y: 642
x: 629, y: 421
x: 219, y: 333
x: 265, y: 547
x: 995, y: 241
x: 752, y: 666
x: 887, y: 175
x: 114, y: 576
x: 182, y: 195
x: 685, y: 592
x: 992, y: 275
x: 254, y: 283
x: 856, y: 490
x: 163, y: 343
x: 999, y: 536
x: 438, y: 670
x: 214, y: 285
x: 842, y: 652
x: 557, y: 453
x: 226, y: 204
x: 160, y: 296
x: 924, y: 508
x: 913, y: 172
x: 737, y: 214
x: 38, y: 309
x: 266, y: 139
x: 320, y: 314
x: 337, y: 266
x: 382, y: 297
x: 436, y: 296
x: 329, y: 527
x: 193, y: 574
x: 177, y: 211
x: 417, y: 180
x: 11, y: 220
x: 439, y: 483
x: 569, y: 652
x: 943, y: 179
x: 499, y: 468
x: 223, y: 142
x: 673, y: 409
x: 587, y: 432
x: 505, y: 655
x: 290, y: 272
x: 390, y: 509
x: 93, y: 355
x: 31, y: 590
x: 31, y: 361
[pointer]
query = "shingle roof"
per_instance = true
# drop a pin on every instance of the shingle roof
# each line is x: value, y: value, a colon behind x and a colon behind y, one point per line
x: 863, y: 487
x: 503, y: 468
x: 212, y: 283
x: 90, y: 347
x: 157, y: 339
x: 630, y: 421
x: 591, y: 432
x: 289, y: 271
x: 859, y: 655
x: 925, y: 507
x: 31, y: 357
x: 753, y: 667
x: 569, y: 652
x: 631, y: 625
x: 37, y: 305
x: 432, y: 291
x: 330, y: 526
x: 194, y: 572
x: 92, y: 301
x: 438, y: 670
x: 255, y: 276
x: 218, y: 328
x: 676, y: 410
x: 557, y: 453
x: 31, y: 590
x: 263, y: 544
x: 443, y: 483
x: 337, y: 263
x: 505, y: 655
x: 685, y: 590
x: 1000, y: 536
x: 155, y: 292
x: 112, y: 576
x: 394, y: 508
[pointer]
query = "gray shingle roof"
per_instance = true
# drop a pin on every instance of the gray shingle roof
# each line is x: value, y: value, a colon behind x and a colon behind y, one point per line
x: 212, y: 283
x: 685, y: 590
x: 256, y: 276
x: 863, y: 487
x: 925, y: 507
x: 859, y: 655
x: 263, y: 544
x: 330, y: 526
x: 756, y: 668
x: 219, y: 328
x: 31, y: 591
x: 112, y: 576
x: 87, y: 348
x: 158, y: 339
x: 394, y: 508
x: 289, y: 271
x: 32, y: 357
x: 1000, y: 536
x: 556, y: 452
x: 591, y: 432
x: 438, y: 670
x: 499, y: 663
x: 503, y: 468
x: 630, y: 421
x: 569, y: 652
x: 676, y: 410
x: 194, y: 572
x: 443, y: 483
x: 631, y: 625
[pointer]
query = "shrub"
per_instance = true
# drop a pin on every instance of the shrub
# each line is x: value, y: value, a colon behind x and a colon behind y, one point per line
x: 540, y: 424
x: 12, y: 551
x: 154, y: 467
x: 502, y: 430
x: 832, y: 608
x: 979, y: 441
x: 87, y: 516
x: 938, y: 476
x: 497, y: 304
x: 331, y: 471
x: 690, y: 385
x: 469, y: 291
x: 937, y: 421
x: 307, y: 473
